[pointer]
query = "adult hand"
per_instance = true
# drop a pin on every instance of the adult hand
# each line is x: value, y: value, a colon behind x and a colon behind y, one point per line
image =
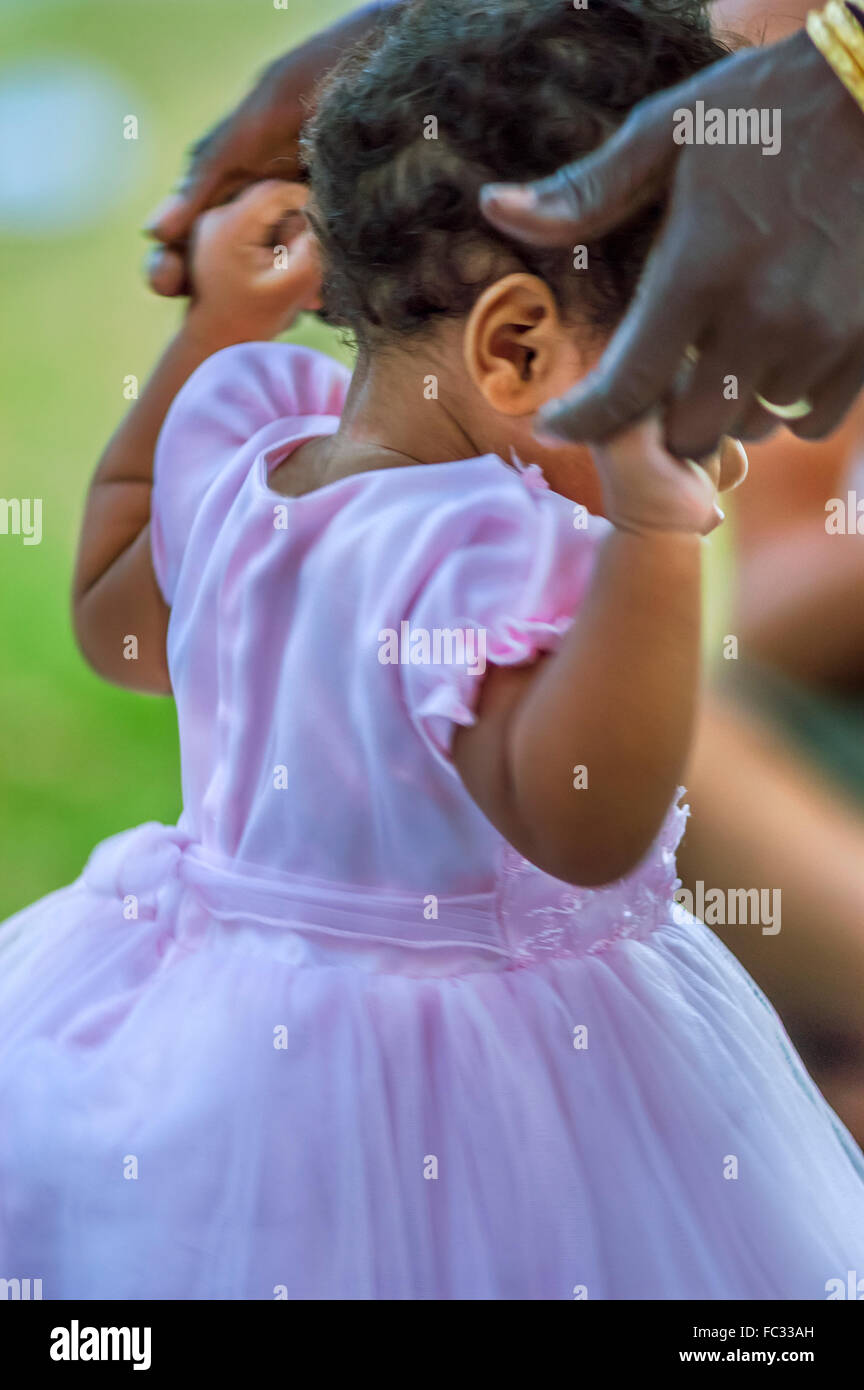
x: 758, y: 265
x: 258, y: 140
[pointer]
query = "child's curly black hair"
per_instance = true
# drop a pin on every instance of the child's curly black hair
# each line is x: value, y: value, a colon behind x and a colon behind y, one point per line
x: 517, y: 88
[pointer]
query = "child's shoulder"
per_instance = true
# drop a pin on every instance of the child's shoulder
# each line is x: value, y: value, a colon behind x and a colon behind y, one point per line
x: 486, y: 501
x: 274, y: 378
x: 468, y: 534
x: 466, y: 518
x: 240, y: 401
x: 473, y: 516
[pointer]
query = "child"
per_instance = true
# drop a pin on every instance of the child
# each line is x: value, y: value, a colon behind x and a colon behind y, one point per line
x: 402, y: 1007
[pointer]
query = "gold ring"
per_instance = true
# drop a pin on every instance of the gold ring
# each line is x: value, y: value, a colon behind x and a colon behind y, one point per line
x: 796, y: 411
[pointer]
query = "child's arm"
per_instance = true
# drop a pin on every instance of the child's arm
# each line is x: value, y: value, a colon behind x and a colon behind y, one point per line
x: 618, y: 698
x: 115, y: 594
x: 241, y: 296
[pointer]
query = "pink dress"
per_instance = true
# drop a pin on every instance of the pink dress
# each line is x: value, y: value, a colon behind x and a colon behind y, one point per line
x: 330, y: 1036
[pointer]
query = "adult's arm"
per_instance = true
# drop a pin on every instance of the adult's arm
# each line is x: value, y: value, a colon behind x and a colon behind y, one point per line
x: 759, y: 263
x: 258, y: 140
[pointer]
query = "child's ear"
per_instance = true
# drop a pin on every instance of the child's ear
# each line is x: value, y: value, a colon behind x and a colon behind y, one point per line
x: 513, y: 344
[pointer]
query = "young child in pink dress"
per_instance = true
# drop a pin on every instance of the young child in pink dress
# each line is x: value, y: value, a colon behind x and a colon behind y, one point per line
x: 402, y: 1007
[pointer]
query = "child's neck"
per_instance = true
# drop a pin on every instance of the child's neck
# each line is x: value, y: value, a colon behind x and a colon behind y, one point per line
x: 407, y: 406
x: 400, y: 412
x: 412, y: 408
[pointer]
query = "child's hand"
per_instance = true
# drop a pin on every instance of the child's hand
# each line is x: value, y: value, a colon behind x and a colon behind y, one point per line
x: 254, y: 265
x: 646, y: 489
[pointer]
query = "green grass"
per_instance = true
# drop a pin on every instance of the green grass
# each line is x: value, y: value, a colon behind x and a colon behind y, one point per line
x: 81, y: 759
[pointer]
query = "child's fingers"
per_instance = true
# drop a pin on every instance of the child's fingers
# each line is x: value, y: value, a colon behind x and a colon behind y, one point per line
x: 264, y: 205
x: 646, y: 488
x: 733, y: 464
x: 727, y: 467
x: 295, y: 272
x: 259, y: 252
x: 711, y: 467
x: 255, y: 211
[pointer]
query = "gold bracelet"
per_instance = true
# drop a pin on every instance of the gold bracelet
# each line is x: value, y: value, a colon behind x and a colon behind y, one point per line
x: 846, y: 29
x: 836, y: 57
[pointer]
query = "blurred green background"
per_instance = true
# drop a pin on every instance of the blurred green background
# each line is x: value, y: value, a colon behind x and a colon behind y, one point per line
x: 81, y: 759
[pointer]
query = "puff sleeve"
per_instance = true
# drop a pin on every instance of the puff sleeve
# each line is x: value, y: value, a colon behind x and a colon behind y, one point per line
x: 515, y: 563
x: 234, y: 403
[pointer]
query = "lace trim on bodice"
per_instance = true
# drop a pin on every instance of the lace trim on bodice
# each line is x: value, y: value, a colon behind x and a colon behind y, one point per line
x: 562, y: 920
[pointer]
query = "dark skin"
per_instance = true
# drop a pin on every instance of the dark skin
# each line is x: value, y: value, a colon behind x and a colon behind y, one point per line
x: 758, y: 264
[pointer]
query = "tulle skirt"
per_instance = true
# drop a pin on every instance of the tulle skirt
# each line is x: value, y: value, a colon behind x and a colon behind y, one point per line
x: 195, y: 1104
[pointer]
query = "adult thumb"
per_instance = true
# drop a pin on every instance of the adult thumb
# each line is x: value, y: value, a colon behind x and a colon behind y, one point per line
x: 594, y: 194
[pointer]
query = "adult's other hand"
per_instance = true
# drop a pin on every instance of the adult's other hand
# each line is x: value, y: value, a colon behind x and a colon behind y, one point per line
x: 758, y: 265
x: 258, y: 140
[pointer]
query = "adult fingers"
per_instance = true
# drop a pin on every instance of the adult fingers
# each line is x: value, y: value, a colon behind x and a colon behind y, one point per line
x: 832, y: 397
x: 711, y: 400
x: 593, y: 194
x: 173, y: 223
x: 755, y: 423
x: 214, y: 173
x: 165, y: 270
x: 642, y: 362
x: 829, y: 392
